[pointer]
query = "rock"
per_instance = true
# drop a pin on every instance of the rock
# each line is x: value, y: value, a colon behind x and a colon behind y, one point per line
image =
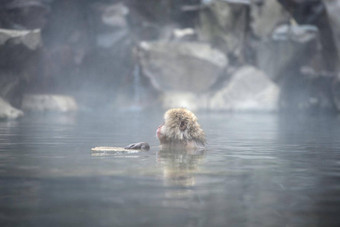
x: 19, y: 57
x: 24, y: 14
x: 290, y: 47
x: 49, y: 103
x: 315, y: 13
x: 296, y: 33
x: 115, y: 15
x: 109, y: 60
x: 186, y: 34
x: 333, y: 9
x: 181, y: 66
x: 249, y: 89
x: 9, y: 112
x: 111, y: 22
x: 29, y: 38
x: 266, y: 15
x: 336, y: 93
x: 224, y: 24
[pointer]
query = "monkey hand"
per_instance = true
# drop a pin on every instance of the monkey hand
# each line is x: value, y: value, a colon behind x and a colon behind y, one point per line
x: 138, y: 146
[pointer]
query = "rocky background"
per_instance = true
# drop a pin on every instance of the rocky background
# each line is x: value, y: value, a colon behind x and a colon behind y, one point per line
x: 218, y: 55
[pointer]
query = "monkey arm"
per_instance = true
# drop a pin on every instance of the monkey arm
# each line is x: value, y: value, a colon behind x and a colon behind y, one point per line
x: 138, y: 146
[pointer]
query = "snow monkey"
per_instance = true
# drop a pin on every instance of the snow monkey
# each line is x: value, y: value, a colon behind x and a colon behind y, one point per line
x: 179, y: 130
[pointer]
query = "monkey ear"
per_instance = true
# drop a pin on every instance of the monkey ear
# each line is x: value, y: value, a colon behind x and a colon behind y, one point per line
x: 183, y: 125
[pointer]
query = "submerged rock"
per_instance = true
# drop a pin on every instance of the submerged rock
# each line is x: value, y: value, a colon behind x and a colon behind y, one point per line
x: 249, y: 89
x: 181, y: 66
x: 9, y: 112
x: 50, y: 103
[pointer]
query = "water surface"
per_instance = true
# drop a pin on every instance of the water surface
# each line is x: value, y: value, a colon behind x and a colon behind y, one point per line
x: 259, y: 170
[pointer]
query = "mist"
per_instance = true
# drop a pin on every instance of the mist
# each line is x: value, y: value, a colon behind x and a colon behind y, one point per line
x: 262, y: 77
x: 232, y: 56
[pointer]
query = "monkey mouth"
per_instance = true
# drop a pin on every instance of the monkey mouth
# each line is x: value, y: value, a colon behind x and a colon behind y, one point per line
x: 159, y: 134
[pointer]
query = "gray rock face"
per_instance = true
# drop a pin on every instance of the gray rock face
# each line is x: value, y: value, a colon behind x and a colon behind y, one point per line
x: 336, y: 92
x: 290, y: 46
x: 249, y: 89
x: 114, y: 15
x: 9, y: 112
x: 266, y: 16
x: 19, y: 56
x: 333, y: 9
x: 49, y: 103
x: 29, y: 38
x: 181, y: 66
x: 224, y: 23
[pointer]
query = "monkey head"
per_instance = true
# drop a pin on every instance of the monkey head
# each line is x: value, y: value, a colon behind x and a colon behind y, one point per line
x: 180, y: 127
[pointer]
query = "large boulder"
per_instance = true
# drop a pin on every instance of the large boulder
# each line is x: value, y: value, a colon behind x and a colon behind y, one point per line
x: 29, y: 38
x: 225, y: 24
x: 290, y: 47
x: 9, y: 112
x: 266, y: 16
x: 181, y: 66
x: 336, y: 92
x: 49, y: 103
x: 249, y: 89
x: 19, y: 55
x: 23, y: 14
x: 314, y: 12
x: 333, y: 9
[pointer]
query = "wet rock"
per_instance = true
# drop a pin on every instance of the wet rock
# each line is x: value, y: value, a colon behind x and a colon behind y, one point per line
x: 249, y: 89
x: 336, y: 93
x: 49, y: 103
x: 110, y: 22
x: 23, y: 14
x: 313, y: 12
x: 8, y: 112
x: 290, y: 47
x: 19, y: 56
x: 224, y: 24
x: 186, y: 34
x: 115, y: 15
x: 333, y: 9
x: 304, y: 11
x: 266, y: 16
x: 181, y: 66
x: 109, y: 63
x: 30, y: 39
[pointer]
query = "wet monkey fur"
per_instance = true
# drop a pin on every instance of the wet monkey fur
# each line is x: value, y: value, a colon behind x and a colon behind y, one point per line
x: 179, y: 130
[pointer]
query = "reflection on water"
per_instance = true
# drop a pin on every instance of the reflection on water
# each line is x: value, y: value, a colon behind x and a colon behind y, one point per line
x: 258, y: 170
x: 179, y: 170
x: 179, y: 166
